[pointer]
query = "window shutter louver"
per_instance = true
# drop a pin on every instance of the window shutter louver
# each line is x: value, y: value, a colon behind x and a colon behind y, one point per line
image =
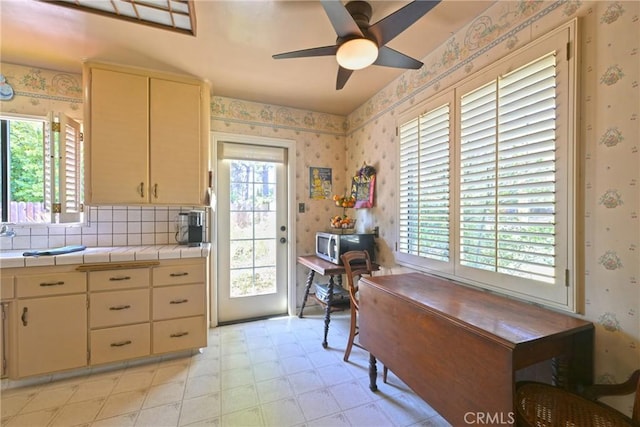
x: 70, y: 173
x: 507, y: 174
x: 477, y: 178
x: 424, y: 185
x: 48, y: 158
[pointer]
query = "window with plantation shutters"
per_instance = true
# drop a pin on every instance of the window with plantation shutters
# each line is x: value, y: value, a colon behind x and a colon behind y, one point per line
x: 510, y: 182
x: 41, y: 169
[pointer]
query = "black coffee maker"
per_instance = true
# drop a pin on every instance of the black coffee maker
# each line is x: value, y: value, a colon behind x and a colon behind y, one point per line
x: 195, y: 231
x: 190, y: 228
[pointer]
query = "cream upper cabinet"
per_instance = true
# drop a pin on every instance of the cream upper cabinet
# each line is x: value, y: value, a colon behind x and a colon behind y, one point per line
x: 146, y: 137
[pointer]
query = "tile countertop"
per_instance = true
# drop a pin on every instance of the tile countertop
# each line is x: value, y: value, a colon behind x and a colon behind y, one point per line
x: 14, y: 258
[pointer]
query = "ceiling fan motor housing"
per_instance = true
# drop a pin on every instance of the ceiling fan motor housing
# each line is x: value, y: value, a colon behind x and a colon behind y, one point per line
x: 361, y: 12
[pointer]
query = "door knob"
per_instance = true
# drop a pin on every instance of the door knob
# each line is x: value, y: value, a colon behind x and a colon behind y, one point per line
x: 283, y: 240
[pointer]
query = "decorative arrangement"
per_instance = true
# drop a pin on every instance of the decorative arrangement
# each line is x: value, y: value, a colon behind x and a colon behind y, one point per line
x: 343, y: 221
x: 363, y: 185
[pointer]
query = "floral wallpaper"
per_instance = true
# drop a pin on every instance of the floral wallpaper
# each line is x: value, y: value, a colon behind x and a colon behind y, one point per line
x: 38, y: 91
x: 609, y: 131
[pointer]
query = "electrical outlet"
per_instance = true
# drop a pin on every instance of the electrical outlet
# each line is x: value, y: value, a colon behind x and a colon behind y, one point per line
x: 301, y: 207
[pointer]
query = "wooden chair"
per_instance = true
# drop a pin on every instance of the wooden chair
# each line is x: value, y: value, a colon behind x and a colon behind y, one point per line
x: 356, y: 265
x: 543, y: 405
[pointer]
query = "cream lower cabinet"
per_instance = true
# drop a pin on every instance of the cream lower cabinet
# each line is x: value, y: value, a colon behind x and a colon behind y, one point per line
x: 119, y: 309
x: 6, y: 296
x: 67, y: 317
x: 179, y: 306
x: 50, y: 321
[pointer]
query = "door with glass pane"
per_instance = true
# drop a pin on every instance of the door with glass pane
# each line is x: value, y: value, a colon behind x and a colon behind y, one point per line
x: 252, y: 232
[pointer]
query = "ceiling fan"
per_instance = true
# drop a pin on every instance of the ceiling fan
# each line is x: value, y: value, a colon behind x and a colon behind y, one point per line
x: 359, y: 44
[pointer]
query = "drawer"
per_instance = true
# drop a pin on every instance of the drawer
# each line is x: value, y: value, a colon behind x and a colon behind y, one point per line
x: 6, y: 287
x: 179, y: 334
x: 124, y: 342
x: 178, y: 301
x: 119, y: 308
x: 119, y: 279
x: 50, y: 284
x: 178, y: 274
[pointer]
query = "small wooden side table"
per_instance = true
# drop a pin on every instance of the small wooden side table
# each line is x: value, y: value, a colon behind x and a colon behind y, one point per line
x: 326, y: 268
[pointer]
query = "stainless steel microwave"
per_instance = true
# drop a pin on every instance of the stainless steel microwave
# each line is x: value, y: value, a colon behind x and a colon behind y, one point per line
x: 329, y: 246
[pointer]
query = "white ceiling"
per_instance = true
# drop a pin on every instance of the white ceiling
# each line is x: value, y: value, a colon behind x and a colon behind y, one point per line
x: 232, y: 49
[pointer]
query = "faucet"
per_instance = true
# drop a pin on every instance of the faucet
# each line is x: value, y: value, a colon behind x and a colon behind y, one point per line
x: 5, y: 231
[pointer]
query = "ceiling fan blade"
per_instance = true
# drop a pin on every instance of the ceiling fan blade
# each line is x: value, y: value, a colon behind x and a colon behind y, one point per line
x: 389, y: 27
x: 392, y: 58
x: 342, y: 21
x: 343, y: 76
x: 314, y: 51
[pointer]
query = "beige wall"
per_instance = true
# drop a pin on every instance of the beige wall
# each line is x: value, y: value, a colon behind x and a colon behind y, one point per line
x: 609, y: 135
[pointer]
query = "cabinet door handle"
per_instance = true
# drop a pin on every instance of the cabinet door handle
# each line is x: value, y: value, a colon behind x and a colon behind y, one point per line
x: 120, y: 307
x: 121, y: 343
x: 179, y: 334
x: 60, y: 283
x: 155, y: 191
x: 179, y: 274
x: 178, y: 301
x: 141, y: 189
x: 118, y: 278
x: 24, y: 316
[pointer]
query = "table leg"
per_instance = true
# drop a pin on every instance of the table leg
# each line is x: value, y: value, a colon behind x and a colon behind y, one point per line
x: 327, y: 312
x: 306, y: 290
x: 373, y: 373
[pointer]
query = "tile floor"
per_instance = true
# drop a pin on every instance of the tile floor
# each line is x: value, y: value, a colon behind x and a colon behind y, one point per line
x: 264, y: 373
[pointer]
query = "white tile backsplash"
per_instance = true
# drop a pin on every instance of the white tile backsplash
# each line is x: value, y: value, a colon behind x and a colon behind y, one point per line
x: 106, y: 226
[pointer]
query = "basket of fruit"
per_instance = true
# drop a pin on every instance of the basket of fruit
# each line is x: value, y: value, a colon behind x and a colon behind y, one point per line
x: 344, y: 201
x: 343, y: 222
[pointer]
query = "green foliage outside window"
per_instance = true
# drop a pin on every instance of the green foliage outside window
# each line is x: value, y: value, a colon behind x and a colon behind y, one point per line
x: 26, y: 170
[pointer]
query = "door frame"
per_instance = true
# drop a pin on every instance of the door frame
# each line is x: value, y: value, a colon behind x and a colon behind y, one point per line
x: 290, y: 165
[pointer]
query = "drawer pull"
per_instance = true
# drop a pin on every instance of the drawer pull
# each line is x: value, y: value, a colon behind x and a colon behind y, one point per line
x: 121, y: 343
x: 24, y: 316
x: 184, y: 273
x: 179, y: 334
x: 119, y: 278
x: 52, y: 283
x: 178, y: 301
x: 120, y: 307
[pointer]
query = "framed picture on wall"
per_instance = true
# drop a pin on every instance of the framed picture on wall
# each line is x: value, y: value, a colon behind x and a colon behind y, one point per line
x: 363, y: 186
x: 319, y: 183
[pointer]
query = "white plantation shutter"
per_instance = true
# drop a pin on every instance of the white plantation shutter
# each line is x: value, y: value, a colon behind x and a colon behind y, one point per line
x: 512, y: 190
x: 70, y: 191
x: 477, y: 178
x: 424, y: 216
x: 48, y: 167
x: 507, y: 173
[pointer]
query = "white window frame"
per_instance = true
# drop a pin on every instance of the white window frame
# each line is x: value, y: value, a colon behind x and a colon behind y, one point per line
x: 564, y: 293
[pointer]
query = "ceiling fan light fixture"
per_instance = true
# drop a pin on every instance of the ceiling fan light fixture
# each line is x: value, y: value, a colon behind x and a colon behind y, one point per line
x: 357, y: 54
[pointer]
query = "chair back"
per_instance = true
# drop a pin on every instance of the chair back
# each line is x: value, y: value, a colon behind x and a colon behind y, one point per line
x: 356, y: 265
